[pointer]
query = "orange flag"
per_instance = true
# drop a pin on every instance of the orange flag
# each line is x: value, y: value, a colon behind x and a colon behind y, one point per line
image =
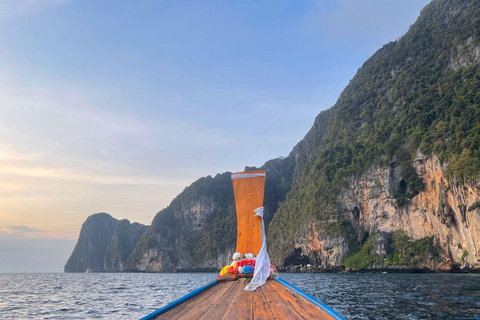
x: 248, y: 188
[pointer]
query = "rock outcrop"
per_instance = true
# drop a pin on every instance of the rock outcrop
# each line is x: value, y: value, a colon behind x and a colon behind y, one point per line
x: 193, y: 232
x: 104, y: 244
x: 197, y: 231
x: 446, y: 210
x: 122, y: 242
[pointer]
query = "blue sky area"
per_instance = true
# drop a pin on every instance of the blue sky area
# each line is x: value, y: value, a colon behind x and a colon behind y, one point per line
x: 116, y: 106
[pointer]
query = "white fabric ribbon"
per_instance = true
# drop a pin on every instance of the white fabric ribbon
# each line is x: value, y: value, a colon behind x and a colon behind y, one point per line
x: 262, y: 264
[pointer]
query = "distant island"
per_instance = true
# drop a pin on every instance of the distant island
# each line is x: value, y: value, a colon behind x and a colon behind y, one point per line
x: 387, y: 179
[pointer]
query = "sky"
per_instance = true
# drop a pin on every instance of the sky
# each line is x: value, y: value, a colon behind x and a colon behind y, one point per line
x: 116, y: 106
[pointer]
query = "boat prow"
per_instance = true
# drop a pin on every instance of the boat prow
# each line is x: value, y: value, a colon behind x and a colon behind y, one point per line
x: 277, y: 299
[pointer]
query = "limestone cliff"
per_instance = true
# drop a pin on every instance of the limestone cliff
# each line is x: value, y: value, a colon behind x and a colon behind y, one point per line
x: 446, y: 210
x: 197, y: 231
x: 89, y: 252
x: 122, y: 242
x: 181, y: 235
x: 104, y: 244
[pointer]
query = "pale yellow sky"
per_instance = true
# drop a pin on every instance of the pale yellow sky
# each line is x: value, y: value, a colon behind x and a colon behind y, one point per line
x: 57, y: 200
x: 50, y: 186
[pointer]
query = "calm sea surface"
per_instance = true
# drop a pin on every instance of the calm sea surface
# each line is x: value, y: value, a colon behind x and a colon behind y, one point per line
x: 132, y: 296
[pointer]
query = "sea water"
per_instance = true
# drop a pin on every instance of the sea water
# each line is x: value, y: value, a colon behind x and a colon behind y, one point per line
x: 134, y: 295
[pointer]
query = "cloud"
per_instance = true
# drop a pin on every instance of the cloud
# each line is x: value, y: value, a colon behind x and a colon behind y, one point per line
x: 37, y: 165
x: 56, y: 134
x: 61, y: 117
x: 71, y: 175
x: 20, y: 232
x: 25, y: 232
x: 11, y: 9
x: 17, y: 230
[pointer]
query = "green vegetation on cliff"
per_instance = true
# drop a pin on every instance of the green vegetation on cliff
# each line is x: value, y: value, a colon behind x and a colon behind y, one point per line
x: 362, y: 257
x: 197, y: 226
x: 421, y: 92
x: 122, y: 242
x: 409, y: 252
x: 220, y: 227
x: 403, y: 252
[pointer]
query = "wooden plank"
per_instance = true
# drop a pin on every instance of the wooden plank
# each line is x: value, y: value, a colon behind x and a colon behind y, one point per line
x: 241, y: 306
x: 261, y: 310
x: 281, y: 309
x: 220, y: 307
x: 305, y: 308
x: 204, y: 307
x: 191, y: 303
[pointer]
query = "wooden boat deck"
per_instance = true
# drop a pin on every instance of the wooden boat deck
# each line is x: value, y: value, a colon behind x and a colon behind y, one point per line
x: 228, y: 300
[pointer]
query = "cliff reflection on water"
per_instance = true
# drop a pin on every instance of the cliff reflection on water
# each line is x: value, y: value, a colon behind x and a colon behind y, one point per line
x: 133, y: 295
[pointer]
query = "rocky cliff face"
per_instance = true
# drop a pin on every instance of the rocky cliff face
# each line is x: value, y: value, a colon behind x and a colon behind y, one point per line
x: 193, y: 232
x: 89, y: 252
x: 104, y: 244
x: 197, y: 231
x: 121, y: 244
x: 446, y: 210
